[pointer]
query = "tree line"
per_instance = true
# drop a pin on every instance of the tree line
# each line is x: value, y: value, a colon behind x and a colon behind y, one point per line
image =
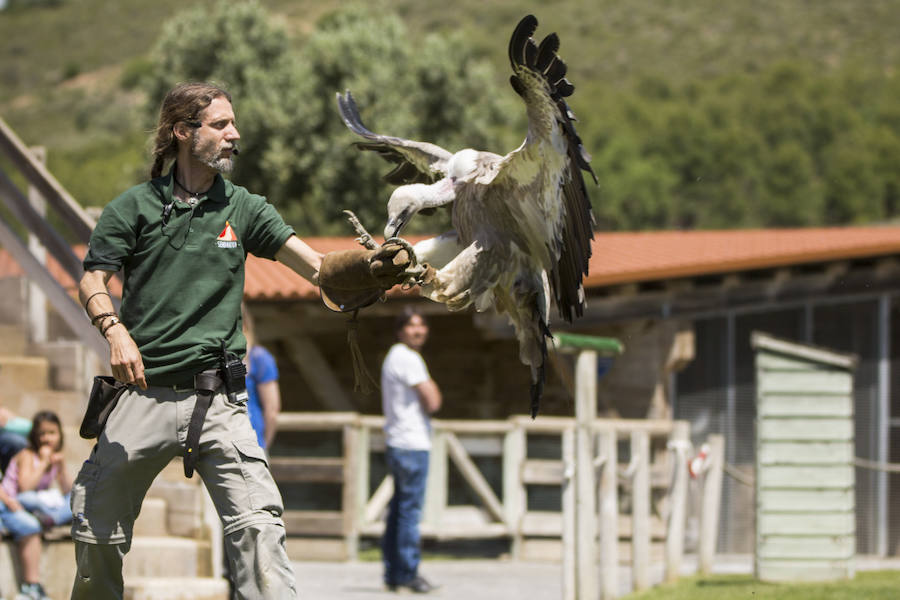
x: 786, y: 145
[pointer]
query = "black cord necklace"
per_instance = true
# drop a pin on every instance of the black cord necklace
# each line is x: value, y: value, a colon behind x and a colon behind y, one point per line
x: 194, y: 196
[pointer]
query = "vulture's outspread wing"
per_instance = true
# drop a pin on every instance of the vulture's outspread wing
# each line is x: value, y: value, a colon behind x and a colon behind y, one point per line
x: 547, y: 167
x: 522, y: 222
x: 417, y: 162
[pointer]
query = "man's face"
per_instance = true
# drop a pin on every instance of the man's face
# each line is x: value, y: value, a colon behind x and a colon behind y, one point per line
x: 414, y: 333
x: 213, y: 142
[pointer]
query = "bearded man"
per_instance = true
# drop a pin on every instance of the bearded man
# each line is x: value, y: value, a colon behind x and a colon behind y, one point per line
x: 181, y: 240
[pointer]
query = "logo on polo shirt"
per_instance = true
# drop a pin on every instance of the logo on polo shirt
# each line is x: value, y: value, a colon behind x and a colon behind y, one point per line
x: 227, y: 239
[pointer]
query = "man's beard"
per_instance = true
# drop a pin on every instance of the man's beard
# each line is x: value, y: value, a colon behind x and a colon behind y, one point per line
x: 210, y: 157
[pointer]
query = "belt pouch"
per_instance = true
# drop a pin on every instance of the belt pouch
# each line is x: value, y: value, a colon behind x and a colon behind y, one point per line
x: 104, y: 396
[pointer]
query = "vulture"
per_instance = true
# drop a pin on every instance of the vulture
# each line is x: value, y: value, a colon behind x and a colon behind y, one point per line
x: 522, y: 222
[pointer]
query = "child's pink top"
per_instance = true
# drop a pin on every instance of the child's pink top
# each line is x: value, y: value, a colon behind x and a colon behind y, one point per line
x: 11, y: 477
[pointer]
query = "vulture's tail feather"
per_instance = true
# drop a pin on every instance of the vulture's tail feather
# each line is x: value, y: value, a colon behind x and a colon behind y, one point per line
x: 519, y: 40
x: 547, y: 52
x: 537, y: 390
x: 539, y: 374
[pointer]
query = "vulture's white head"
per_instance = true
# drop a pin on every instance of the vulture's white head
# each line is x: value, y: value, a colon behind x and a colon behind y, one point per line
x: 407, y: 200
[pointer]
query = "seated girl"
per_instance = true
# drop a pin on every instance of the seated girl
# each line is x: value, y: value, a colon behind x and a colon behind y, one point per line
x: 28, y: 502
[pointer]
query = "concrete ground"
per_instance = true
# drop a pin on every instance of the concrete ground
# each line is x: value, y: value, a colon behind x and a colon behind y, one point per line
x: 491, y: 579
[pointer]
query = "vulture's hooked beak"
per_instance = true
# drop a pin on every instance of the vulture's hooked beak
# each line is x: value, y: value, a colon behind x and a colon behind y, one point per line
x: 393, y: 228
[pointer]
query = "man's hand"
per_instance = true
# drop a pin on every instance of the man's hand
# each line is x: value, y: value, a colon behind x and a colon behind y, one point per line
x: 124, y: 357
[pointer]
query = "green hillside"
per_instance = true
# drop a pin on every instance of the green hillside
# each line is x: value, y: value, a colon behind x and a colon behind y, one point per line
x: 67, y: 66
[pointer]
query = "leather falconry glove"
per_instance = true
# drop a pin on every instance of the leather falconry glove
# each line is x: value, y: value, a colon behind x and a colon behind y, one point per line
x: 352, y: 279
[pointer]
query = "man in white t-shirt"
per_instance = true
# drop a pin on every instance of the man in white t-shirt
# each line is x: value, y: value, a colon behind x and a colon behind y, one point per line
x: 408, y: 396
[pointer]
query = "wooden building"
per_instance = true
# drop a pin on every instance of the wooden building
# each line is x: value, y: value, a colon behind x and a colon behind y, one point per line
x: 684, y: 304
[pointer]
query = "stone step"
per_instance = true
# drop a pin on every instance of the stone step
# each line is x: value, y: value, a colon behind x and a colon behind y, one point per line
x: 57, y: 568
x: 153, y: 518
x: 68, y: 405
x: 184, y: 501
x: 180, y: 588
x: 72, y: 364
x: 14, y: 339
x: 23, y: 373
x: 167, y: 556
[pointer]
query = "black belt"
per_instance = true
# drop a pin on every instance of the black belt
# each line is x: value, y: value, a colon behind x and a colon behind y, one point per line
x: 206, y: 383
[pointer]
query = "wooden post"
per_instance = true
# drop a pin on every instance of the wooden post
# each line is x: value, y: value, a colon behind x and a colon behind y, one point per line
x: 436, y: 485
x: 585, y: 509
x: 37, y: 301
x: 679, y: 443
x: 640, y: 510
x: 568, y: 514
x: 608, y: 498
x: 712, y: 494
x: 349, y: 496
x: 363, y: 464
x: 515, y: 497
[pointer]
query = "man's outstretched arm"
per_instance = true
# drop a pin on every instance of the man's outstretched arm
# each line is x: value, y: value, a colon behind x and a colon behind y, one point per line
x: 124, y: 356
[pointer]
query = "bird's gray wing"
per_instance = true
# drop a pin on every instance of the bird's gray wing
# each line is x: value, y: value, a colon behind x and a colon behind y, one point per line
x: 417, y: 162
x: 547, y: 167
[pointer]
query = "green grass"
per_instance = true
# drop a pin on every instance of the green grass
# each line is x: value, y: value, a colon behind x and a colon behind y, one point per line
x: 869, y: 585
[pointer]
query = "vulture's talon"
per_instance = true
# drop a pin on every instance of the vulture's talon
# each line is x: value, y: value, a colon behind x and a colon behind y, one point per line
x: 365, y: 238
x: 413, y: 260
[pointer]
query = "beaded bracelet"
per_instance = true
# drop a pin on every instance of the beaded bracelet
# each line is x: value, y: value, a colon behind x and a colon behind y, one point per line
x: 112, y: 322
x: 96, y: 318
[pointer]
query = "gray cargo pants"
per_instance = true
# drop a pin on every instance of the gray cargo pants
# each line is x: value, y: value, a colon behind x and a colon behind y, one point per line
x: 145, y: 431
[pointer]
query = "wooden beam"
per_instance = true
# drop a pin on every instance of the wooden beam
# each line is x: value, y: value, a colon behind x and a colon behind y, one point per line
x: 315, y: 421
x: 75, y: 217
x: 379, y: 500
x: 317, y: 373
x: 608, y: 505
x: 541, y: 471
x: 640, y: 510
x: 585, y: 483
x: 474, y: 477
x: 349, y: 493
x: 307, y: 469
x: 515, y: 496
x: 680, y: 441
x: 67, y: 308
x: 712, y: 501
x: 314, y: 522
x: 19, y: 205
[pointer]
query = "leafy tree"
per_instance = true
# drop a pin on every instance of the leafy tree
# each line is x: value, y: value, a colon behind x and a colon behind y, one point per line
x: 298, y: 151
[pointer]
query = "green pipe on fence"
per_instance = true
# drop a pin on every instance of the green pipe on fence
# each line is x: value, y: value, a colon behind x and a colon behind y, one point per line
x: 604, y: 345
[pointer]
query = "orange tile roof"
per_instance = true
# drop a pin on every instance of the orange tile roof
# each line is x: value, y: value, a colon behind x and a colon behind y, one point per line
x: 618, y: 257
x: 633, y: 257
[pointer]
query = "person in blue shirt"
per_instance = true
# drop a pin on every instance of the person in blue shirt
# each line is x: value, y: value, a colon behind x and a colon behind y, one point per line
x: 264, y: 396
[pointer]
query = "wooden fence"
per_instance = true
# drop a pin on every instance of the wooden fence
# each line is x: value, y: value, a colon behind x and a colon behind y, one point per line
x: 653, y: 482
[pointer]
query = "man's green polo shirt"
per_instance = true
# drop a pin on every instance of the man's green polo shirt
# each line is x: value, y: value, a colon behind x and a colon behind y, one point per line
x: 184, y: 278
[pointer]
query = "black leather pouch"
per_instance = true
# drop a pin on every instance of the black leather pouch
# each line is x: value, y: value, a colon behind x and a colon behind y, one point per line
x: 104, y: 396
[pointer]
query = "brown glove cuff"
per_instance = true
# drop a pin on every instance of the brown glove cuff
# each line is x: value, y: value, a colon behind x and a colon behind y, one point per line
x: 347, y: 270
x: 346, y: 281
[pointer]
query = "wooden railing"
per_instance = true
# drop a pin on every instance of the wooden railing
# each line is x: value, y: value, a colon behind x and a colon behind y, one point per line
x: 655, y: 479
x: 76, y: 220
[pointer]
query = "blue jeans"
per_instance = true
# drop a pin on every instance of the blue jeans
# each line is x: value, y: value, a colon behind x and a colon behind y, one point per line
x: 400, y: 544
x: 59, y: 513
x: 20, y: 523
x: 10, y: 444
